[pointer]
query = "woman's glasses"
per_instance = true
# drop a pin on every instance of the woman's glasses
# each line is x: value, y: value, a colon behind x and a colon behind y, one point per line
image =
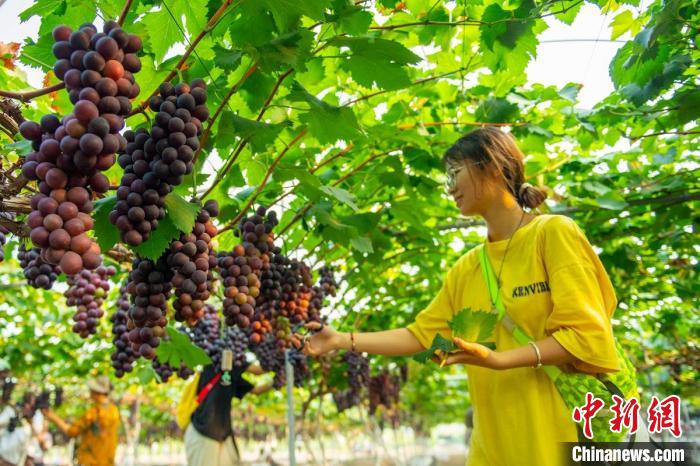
x: 452, y: 173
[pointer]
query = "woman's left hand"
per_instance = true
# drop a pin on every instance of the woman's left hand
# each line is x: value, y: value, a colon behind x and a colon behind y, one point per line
x: 474, y: 354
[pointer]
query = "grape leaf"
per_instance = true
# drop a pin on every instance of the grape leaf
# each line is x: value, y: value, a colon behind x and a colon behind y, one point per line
x: 379, y: 61
x: 327, y: 123
x: 341, y: 195
x: 182, y: 213
x: 163, y: 32
x: 362, y: 244
x: 106, y: 233
x: 145, y: 374
x: 259, y: 134
x: 226, y: 58
x: 159, y: 240
x: 439, y: 343
x: 179, y: 349
x: 288, y: 12
x: 473, y: 325
x: 41, y: 8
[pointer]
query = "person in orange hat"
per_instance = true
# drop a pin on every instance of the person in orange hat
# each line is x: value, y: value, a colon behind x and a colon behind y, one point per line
x: 97, y: 429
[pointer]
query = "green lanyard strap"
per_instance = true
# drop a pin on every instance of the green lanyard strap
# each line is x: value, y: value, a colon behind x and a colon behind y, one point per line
x: 496, y: 300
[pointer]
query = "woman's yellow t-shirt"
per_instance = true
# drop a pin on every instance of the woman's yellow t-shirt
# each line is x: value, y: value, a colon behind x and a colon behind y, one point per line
x: 553, y: 284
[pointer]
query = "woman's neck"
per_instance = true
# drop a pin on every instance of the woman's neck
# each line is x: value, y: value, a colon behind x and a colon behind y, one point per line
x: 503, y: 219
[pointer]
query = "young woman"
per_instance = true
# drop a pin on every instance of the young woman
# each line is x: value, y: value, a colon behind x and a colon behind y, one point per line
x: 552, y: 285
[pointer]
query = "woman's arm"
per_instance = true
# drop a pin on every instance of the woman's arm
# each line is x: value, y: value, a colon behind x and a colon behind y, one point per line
x: 551, y: 353
x: 396, y: 342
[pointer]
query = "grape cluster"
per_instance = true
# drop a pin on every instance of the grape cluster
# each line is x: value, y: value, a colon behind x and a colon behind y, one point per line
x: 38, y: 273
x: 345, y: 399
x: 59, y: 224
x: 86, y: 291
x: 383, y: 390
x: 207, y: 330
x: 3, y: 231
x: 268, y: 354
x: 358, y: 380
x: 123, y: 356
x: 193, y: 260
x: 43, y: 400
x: 97, y: 69
x: 271, y: 359
x: 155, y: 161
x: 327, y: 282
x: 149, y: 286
x: 300, y: 364
x: 357, y: 370
x: 241, y: 271
x: 58, y: 397
x: 236, y: 340
x: 165, y: 370
x: 207, y: 335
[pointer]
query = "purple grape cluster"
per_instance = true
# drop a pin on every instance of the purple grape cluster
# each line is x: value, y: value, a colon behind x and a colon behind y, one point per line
x: 87, y: 291
x: 357, y: 370
x: 39, y: 274
x: 165, y: 370
x: 123, y: 356
x: 155, y: 161
x: 3, y: 239
x: 346, y: 399
x: 150, y: 287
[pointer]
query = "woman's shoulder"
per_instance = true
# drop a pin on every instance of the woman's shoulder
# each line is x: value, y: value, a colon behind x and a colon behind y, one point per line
x: 555, y: 224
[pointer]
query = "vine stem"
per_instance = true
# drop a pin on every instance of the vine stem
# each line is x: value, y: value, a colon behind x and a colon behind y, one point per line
x: 29, y: 95
x: 125, y: 11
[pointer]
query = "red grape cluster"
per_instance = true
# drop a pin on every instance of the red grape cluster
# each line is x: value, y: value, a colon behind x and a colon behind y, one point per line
x: 39, y: 274
x: 155, y: 162
x: 193, y: 260
x: 97, y: 69
x: 241, y: 270
x: 149, y: 286
x: 98, y: 66
x: 86, y: 291
x: 383, y: 390
x: 123, y: 356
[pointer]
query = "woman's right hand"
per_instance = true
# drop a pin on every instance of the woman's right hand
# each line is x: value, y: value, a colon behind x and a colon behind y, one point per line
x: 325, y: 340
